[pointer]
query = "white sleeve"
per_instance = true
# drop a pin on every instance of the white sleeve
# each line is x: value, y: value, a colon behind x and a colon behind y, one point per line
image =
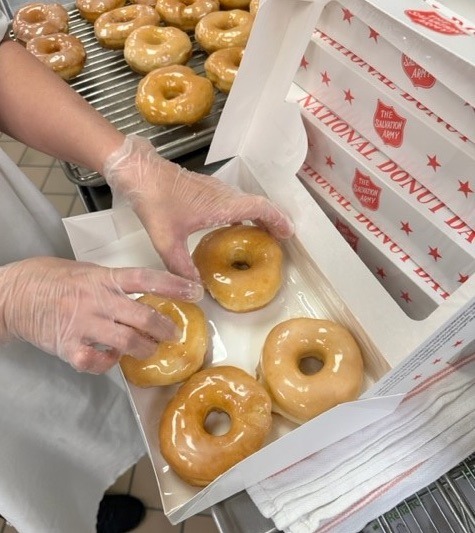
x: 3, y: 25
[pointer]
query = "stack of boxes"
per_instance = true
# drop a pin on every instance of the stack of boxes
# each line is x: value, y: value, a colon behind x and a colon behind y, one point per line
x: 391, y: 151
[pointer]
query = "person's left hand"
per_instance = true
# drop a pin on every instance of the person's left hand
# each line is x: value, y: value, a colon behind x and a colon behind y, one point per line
x: 172, y: 202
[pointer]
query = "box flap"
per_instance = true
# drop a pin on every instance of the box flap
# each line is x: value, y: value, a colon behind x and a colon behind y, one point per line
x: 253, y: 111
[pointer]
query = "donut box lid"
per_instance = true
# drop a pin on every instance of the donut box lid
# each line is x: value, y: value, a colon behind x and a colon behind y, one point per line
x: 442, y: 45
x: 261, y: 130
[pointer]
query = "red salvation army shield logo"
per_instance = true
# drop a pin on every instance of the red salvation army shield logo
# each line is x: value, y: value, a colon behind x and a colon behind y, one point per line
x: 389, y: 125
x: 367, y: 192
x: 350, y: 237
x: 418, y: 76
x: 434, y: 21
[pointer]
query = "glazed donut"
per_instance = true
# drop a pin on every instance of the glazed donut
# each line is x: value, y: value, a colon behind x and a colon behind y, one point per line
x: 224, y: 29
x: 299, y: 395
x: 90, y: 10
x: 240, y: 266
x: 150, y: 3
x: 185, y: 14
x: 174, y: 95
x: 197, y: 455
x: 253, y: 7
x: 151, y: 47
x: 112, y: 28
x: 222, y: 65
x: 35, y: 19
x: 172, y: 362
x: 62, y: 53
x: 234, y: 4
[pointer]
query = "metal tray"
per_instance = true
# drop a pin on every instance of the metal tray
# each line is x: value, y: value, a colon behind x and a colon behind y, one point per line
x: 109, y: 85
x: 445, y: 506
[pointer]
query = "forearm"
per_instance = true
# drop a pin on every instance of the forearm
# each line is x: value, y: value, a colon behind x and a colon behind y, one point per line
x: 39, y: 109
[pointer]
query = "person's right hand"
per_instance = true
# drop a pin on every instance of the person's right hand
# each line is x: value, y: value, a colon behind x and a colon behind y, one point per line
x: 82, y: 313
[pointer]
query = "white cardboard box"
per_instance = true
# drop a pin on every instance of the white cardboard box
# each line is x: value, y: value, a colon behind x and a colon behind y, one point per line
x: 431, y: 150
x: 409, y: 285
x: 265, y: 137
x: 393, y: 51
x: 408, y: 212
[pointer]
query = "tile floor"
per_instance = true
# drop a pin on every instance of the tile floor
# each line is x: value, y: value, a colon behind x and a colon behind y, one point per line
x: 47, y: 174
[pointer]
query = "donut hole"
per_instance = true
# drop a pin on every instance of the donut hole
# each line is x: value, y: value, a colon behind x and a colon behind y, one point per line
x: 50, y: 47
x: 240, y: 265
x: 227, y: 24
x: 310, y: 364
x: 169, y: 93
x: 217, y: 422
x: 154, y: 39
x: 124, y: 18
x: 34, y: 16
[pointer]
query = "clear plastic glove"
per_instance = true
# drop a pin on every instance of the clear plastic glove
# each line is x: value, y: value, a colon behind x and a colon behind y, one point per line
x: 172, y: 202
x: 74, y: 310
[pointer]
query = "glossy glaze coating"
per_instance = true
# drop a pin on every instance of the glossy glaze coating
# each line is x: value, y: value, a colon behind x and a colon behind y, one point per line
x: 240, y: 266
x: 150, y: 3
x: 61, y: 52
x: 172, y: 362
x: 221, y: 67
x: 297, y: 395
x: 150, y: 47
x: 253, y: 7
x: 224, y: 29
x: 92, y: 9
x: 35, y: 19
x: 185, y: 14
x: 234, y: 4
x: 174, y: 95
x: 198, y: 456
x: 113, y: 27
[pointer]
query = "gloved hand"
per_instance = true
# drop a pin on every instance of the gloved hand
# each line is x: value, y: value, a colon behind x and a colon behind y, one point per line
x: 67, y: 308
x: 172, y: 202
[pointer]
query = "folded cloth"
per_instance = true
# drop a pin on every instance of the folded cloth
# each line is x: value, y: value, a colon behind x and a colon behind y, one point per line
x: 343, y: 487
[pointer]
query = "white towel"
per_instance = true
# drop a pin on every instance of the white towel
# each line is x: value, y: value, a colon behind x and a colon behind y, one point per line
x: 343, y: 487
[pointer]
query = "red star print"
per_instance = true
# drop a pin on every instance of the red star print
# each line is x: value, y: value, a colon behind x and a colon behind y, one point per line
x: 347, y: 15
x: 462, y: 278
x: 465, y: 188
x: 348, y: 96
x: 373, y: 34
x: 457, y: 343
x: 406, y: 227
x: 325, y: 78
x: 405, y: 296
x: 380, y: 272
x: 433, y: 162
x: 435, y: 361
x: 434, y: 252
x: 304, y: 63
x: 329, y: 161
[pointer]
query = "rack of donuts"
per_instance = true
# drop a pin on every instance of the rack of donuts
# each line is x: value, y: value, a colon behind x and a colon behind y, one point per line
x: 156, y: 39
x: 216, y: 413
